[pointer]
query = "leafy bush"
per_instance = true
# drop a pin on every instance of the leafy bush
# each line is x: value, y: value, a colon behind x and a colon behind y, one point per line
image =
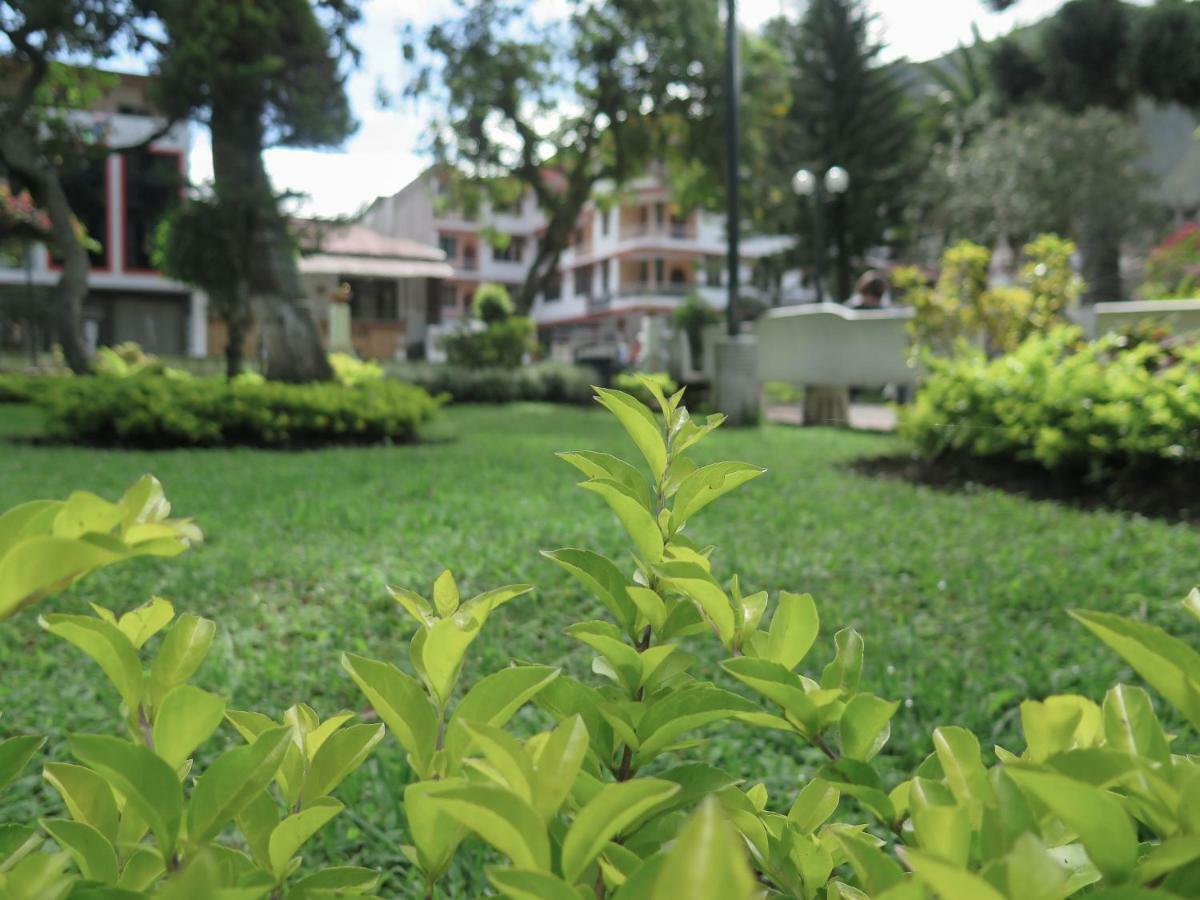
x: 546, y: 382
x: 150, y: 411
x: 691, y: 317
x: 501, y: 345
x: 491, y: 303
x: 634, y: 383
x: 1173, y: 269
x: 350, y: 370
x: 127, y: 359
x: 16, y: 387
x: 1064, y: 403
x: 962, y: 309
x: 612, y: 799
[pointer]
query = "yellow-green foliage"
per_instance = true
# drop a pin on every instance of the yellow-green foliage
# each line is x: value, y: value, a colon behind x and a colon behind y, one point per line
x: 127, y: 359
x: 962, y: 308
x: 350, y: 370
x: 151, y: 411
x: 635, y: 384
x: 1062, y: 402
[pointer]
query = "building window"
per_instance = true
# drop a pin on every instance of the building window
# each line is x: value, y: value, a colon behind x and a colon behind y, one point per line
x: 374, y: 299
x: 449, y: 245
x: 583, y: 281
x: 86, y: 187
x: 151, y: 190
x: 659, y: 269
x: 712, y: 271
x: 604, y: 222
x: 449, y: 296
x: 513, y: 252
x: 554, y: 289
x: 604, y: 279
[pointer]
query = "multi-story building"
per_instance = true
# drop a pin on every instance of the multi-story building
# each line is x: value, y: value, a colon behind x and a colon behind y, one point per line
x: 634, y: 256
x: 120, y: 197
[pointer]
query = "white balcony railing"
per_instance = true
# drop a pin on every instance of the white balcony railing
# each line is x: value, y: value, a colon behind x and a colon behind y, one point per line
x: 675, y: 231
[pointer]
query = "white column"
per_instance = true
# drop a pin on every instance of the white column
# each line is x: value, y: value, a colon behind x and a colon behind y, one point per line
x: 198, y: 325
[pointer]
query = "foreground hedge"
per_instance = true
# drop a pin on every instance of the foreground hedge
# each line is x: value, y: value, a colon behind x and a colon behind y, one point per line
x: 613, y: 800
x: 1065, y: 404
x: 546, y: 382
x: 151, y: 411
x: 17, y: 387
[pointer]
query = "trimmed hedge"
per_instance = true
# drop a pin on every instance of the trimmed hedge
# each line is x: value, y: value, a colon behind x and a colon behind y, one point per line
x: 546, y: 382
x: 1110, y: 405
x: 151, y: 411
x: 17, y: 387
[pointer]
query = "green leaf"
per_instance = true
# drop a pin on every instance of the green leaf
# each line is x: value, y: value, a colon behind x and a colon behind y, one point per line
x: 87, y: 796
x: 958, y: 752
x: 41, y: 565
x: 340, y: 755
x: 1103, y: 826
x: 605, y: 465
x: 815, y: 803
x: 26, y: 520
x: 606, y: 640
x: 481, y: 606
x: 557, y: 764
x: 414, y: 604
x: 865, y: 725
x: 706, y: 484
x: 180, y: 654
x: 15, y: 754
x: 944, y: 831
x: 256, y: 821
x: 402, y: 705
x: 846, y: 669
x: 233, y: 781
x: 779, y: 685
x: 948, y: 881
x: 525, y: 884
x: 445, y: 594
x: 334, y: 882
x: 290, y: 834
x: 1130, y: 724
x: 502, y: 819
x: 493, y: 700
x: 875, y: 870
x: 794, y: 628
x: 637, y: 519
x: 16, y: 842
x: 605, y: 816
x: 38, y: 876
x: 683, y: 710
x: 92, y: 852
x: 600, y: 576
x: 442, y: 653
x: 640, y: 424
x: 707, y: 861
x: 148, y: 784
x: 697, y: 585
x: 141, y: 624
x: 184, y: 720
x: 506, y: 759
x: 1170, y: 666
x: 436, y: 834
x: 107, y: 646
x: 650, y: 605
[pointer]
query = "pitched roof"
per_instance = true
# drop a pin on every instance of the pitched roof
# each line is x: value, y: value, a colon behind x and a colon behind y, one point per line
x: 358, y: 240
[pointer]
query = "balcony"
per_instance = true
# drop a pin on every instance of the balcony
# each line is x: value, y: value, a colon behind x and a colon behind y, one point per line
x: 673, y: 231
x: 650, y: 289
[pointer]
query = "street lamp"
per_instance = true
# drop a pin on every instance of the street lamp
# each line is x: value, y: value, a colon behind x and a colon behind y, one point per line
x: 806, y: 184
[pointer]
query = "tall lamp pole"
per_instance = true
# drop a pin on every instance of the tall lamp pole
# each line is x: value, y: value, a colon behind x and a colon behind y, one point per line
x: 805, y: 184
x: 732, y: 166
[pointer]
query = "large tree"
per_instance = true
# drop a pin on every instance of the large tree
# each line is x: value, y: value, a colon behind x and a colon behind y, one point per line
x: 566, y: 106
x: 851, y: 110
x: 39, y: 138
x: 261, y: 74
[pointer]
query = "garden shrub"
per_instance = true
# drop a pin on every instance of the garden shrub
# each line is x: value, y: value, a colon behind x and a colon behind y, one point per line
x: 504, y: 340
x: 350, y: 370
x: 1173, y: 269
x: 547, y: 382
x: 691, y: 317
x: 613, y: 800
x: 127, y: 359
x: 16, y: 387
x: 634, y: 383
x: 1064, y: 403
x: 962, y: 309
x: 150, y: 411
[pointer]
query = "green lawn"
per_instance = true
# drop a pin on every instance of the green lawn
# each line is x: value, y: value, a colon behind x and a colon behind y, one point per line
x: 961, y: 598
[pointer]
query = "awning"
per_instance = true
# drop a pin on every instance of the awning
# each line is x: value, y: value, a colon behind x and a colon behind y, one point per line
x: 373, y: 266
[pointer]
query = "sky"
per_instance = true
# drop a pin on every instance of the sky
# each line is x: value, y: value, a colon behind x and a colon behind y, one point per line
x: 385, y: 153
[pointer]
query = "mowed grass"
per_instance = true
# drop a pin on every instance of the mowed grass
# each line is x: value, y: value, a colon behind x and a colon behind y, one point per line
x: 961, y: 598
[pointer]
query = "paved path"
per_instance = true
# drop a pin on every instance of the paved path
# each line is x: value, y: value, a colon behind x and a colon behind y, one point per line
x: 865, y: 416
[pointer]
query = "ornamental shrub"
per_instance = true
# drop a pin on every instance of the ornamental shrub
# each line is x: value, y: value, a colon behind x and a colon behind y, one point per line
x: 350, y: 370
x: 547, y: 382
x: 128, y: 359
x: 1063, y: 403
x: 611, y: 799
x: 16, y: 387
x: 151, y: 411
x: 1173, y: 269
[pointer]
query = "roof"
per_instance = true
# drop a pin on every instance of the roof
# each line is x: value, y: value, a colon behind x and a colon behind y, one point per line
x: 359, y: 240
x: 373, y: 266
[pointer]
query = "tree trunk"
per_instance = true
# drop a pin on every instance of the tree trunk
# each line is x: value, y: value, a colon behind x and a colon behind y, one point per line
x: 289, y: 343
x: 1100, y: 252
x: 555, y: 239
x: 237, y: 324
x: 20, y: 156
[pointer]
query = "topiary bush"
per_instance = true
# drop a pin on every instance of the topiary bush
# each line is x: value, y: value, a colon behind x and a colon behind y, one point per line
x: 151, y: 411
x: 1063, y: 403
x: 546, y: 382
x: 603, y: 791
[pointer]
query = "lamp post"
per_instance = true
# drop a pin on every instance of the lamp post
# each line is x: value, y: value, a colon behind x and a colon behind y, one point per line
x: 805, y: 183
x: 732, y: 167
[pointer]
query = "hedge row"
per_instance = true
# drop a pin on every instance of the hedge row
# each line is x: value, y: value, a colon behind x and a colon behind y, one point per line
x: 1110, y: 405
x: 17, y: 387
x: 547, y: 382
x: 151, y: 411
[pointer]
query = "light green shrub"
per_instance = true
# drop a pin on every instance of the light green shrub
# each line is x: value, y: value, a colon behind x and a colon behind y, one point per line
x: 350, y: 370
x: 151, y: 411
x: 1064, y: 403
x: 612, y: 798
